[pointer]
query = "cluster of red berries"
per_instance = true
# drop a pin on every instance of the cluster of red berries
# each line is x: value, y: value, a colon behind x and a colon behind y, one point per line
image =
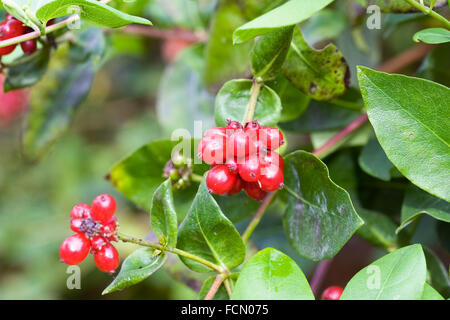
x: 332, y: 293
x: 243, y: 157
x: 95, y: 228
x: 11, y: 28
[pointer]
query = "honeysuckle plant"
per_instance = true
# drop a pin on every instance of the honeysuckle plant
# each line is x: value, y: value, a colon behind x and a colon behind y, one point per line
x: 301, y: 117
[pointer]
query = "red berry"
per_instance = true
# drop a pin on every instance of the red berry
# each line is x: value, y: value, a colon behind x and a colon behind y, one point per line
x: 212, y: 150
x: 238, y: 144
x: 109, y: 230
x: 253, y: 190
x: 74, y: 249
x: 103, y: 207
x: 233, y: 125
x: 250, y: 168
x: 272, y: 138
x: 220, y: 180
x: 75, y: 224
x: 12, y: 103
x: 272, y: 157
x: 252, y: 125
x: 237, y: 187
x: 219, y: 131
x: 10, y: 29
x: 232, y: 165
x: 8, y: 17
x: 271, y: 178
x: 98, y: 243
x: 332, y: 293
x: 81, y: 210
x: 107, y: 259
x: 29, y: 46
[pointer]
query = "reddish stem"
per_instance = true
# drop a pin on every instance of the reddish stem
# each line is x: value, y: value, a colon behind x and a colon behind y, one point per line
x: 214, y: 288
x: 317, y: 279
x: 173, y: 34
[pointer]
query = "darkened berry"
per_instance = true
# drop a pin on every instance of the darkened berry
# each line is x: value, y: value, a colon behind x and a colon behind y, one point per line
x: 74, y: 249
x: 332, y: 293
x: 253, y: 190
x: 237, y: 187
x: 103, y: 207
x: 29, y: 46
x: 107, y: 259
x: 220, y: 180
x: 271, y: 178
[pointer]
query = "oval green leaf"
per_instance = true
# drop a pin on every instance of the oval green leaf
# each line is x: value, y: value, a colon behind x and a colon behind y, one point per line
x: 137, y: 267
x: 429, y: 293
x: 321, y: 74
x: 232, y: 101
x: 271, y: 275
x: 399, y: 275
x: 288, y: 14
x: 432, y: 35
x: 163, y: 215
x: 207, y: 233
x: 91, y: 11
x: 411, y: 118
x: 374, y: 162
x: 320, y: 217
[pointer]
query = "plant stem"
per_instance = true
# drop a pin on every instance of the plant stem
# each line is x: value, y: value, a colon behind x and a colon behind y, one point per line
x: 341, y: 135
x: 319, y: 274
x: 214, y: 288
x: 430, y: 12
x: 257, y: 217
x: 196, y: 178
x: 179, y: 252
x: 174, y: 34
x: 228, y: 287
x: 256, y: 88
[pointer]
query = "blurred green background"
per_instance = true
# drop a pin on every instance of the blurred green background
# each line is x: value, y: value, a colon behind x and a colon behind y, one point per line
x: 120, y: 115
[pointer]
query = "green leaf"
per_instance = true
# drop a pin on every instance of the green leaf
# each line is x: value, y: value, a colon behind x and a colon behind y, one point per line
x: 233, y: 98
x: 432, y: 35
x: 221, y: 294
x: 429, y: 293
x: 294, y: 102
x: 443, y: 233
x: 436, y: 66
x: 411, y: 118
x: 139, y: 174
x: 399, y: 5
x: 91, y: 11
x: 237, y: 207
x: 270, y: 52
x: 286, y: 15
x: 223, y: 61
x: 207, y: 233
x: 320, y: 217
x: 321, y: 74
x: 438, y: 274
x: 29, y: 73
x: 137, y: 267
x: 55, y: 100
x: 182, y: 96
x: 399, y: 275
x: 374, y: 162
x: 163, y: 215
x: 324, y: 25
x: 271, y: 275
x: 417, y: 202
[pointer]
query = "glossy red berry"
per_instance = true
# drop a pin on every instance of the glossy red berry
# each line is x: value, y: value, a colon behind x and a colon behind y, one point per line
x: 253, y: 190
x: 107, y: 259
x: 98, y: 243
x: 81, y: 210
x: 272, y: 138
x: 271, y: 178
x: 103, y: 207
x: 232, y: 165
x: 252, y: 125
x: 213, y: 150
x: 219, y: 131
x: 250, y: 168
x: 238, y: 144
x: 29, y: 46
x: 10, y: 29
x: 109, y: 230
x: 237, y: 187
x: 75, y: 224
x: 272, y: 157
x: 220, y: 180
x: 74, y: 249
x: 332, y: 293
x: 233, y: 125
